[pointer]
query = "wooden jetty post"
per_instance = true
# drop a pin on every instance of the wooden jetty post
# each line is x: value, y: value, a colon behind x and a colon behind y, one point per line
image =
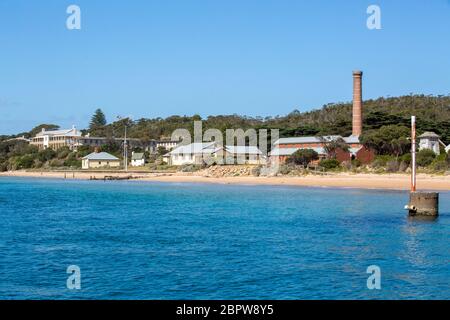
x: 423, y: 204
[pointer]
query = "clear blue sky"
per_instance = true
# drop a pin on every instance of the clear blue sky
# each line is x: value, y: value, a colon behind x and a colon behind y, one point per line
x: 152, y: 58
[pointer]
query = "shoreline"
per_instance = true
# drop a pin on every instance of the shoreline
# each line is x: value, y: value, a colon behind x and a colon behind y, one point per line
x: 341, y: 180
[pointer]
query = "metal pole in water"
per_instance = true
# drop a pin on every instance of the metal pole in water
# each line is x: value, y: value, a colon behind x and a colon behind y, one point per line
x: 422, y: 204
x: 413, y: 154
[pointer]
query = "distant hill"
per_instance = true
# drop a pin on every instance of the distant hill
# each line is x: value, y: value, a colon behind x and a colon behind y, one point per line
x: 433, y: 114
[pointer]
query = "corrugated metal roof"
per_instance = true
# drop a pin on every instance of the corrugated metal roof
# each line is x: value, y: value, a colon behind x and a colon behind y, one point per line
x: 195, y: 148
x: 100, y: 156
x: 351, y: 139
x: 243, y: 149
x: 316, y: 139
x: 66, y: 132
x: 290, y: 151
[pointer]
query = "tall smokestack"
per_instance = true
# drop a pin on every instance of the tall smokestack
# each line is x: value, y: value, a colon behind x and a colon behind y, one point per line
x: 357, y: 103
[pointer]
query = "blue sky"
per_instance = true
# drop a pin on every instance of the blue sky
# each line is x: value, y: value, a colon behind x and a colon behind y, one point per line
x: 255, y: 57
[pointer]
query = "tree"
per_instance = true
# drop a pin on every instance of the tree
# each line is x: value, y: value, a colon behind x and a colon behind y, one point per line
x: 331, y: 147
x: 388, y: 140
x: 303, y: 156
x: 98, y: 120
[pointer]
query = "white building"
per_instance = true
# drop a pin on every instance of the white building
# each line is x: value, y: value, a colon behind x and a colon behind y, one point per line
x: 430, y: 140
x: 166, y: 144
x: 198, y: 153
x: 100, y: 160
x: 137, y: 159
x: 56, y: 139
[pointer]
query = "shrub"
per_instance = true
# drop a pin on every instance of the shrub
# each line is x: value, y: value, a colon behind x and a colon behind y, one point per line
x: 392, y: 166
x: 63, y: 153
x: 381, y: 161
x: 189, y: 168
x: 25, y: 162
x: 284, y: 169
x: 303, y: 157
x: 56, y: 163
x: 441, y: 165
x: 72, y: 163
x: 406, y: 158
x: 46, y: 155
x: 3, y: 166
x: 329, y: 164
x: 356, y: 163
x: 256, y: 171
x: 425, y: 157
x: 403, y: 166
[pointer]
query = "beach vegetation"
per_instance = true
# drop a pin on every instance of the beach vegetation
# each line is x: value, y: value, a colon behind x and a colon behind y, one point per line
x: 329, y: 164
x: 303, y: 157
x: 425, y: 157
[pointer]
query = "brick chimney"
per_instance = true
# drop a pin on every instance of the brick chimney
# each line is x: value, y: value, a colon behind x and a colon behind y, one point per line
x: 357, y: 103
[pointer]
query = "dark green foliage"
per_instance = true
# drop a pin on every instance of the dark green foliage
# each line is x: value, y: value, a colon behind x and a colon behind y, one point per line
x: 112, y: 147
x: 433, y: 114
x: 161, y: 151
x: 425, y: 157
x: 46, y: 155
x: 303, y: 157
x: 98, y: 120
x: 329, y: 164
x: 332, y: 147
x: 25, y: 162
x: 388, y: 140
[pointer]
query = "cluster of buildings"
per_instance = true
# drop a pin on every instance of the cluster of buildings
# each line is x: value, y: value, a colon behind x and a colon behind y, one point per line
x: 196, y: 153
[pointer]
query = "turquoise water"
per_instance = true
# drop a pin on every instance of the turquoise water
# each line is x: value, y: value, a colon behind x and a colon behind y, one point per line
x: 141, y: 240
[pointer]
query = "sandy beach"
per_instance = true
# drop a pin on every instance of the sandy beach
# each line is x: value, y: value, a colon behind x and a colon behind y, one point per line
x: 341, y: 180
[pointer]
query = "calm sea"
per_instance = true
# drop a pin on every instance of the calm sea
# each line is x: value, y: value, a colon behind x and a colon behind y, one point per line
x: 141, y: 240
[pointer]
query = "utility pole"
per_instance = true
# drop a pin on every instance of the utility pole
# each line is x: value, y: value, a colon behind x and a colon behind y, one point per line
x: 125, y: 150
x: 125, y: 146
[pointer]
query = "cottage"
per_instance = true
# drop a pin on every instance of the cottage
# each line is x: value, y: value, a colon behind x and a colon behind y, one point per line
x: 100, y: 160
x: 137, y: 159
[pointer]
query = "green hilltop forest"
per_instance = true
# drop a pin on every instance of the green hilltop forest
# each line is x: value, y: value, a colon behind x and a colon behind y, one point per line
x: 433, y: 114
x: 386, y: 124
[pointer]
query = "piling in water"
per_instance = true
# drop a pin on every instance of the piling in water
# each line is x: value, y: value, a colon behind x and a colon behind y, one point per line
x: 423, y: 204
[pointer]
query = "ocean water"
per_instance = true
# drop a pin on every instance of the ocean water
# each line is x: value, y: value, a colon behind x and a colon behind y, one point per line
x: 142, y: 240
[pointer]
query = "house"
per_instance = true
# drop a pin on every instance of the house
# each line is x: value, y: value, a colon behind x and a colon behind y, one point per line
x: 100, y: 160
x: 55, y: 139
x: 193, y: 153
x: 201, y: 152
x: 239, y: 154
x: 430, y: 140
x: 137, y: 159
